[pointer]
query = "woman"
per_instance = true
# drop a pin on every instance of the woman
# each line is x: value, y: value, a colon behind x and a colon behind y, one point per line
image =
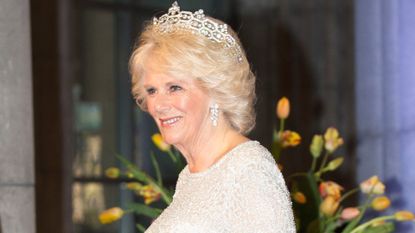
x: 191, y: 74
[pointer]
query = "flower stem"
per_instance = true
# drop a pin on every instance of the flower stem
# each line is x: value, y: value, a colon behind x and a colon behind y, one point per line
x: 323, y: 163
x: 172, y: 156
x: 313, y: 165
x: 349, y: 193
x: 296, y: 174
x: 353, y: 223
x: 368, y: 223
x: 282, y: 125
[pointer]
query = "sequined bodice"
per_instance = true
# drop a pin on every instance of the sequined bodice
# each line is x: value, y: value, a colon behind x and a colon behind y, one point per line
x: 243, y: 192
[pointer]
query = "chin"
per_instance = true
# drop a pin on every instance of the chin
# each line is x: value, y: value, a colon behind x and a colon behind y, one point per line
x: 171, y: 138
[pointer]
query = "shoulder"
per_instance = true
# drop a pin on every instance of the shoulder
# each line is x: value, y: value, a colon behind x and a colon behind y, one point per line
x: 256, y: 174
x: 253, y: 161
x: 252, y: 155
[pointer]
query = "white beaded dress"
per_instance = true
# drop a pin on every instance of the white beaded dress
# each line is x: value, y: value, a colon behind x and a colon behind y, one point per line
x: 244, y: 192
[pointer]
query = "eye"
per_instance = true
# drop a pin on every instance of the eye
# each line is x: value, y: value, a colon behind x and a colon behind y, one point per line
x: 150, y: 91
x: 174, y: 88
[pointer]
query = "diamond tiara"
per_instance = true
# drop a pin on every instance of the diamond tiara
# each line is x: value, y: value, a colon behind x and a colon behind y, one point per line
x: 197, y: 23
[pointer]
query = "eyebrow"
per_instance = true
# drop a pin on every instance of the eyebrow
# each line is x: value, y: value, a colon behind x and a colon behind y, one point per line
x: 178, y: 81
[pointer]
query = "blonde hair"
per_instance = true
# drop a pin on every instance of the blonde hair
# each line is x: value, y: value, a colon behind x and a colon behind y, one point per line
x: 183, y: 54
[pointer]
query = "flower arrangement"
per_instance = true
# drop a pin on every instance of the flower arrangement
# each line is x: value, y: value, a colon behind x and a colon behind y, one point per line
x: 151, y: 191
x: 317, y: 200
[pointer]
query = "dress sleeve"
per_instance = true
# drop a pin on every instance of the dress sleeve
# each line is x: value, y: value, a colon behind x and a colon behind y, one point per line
x: 260, y: 200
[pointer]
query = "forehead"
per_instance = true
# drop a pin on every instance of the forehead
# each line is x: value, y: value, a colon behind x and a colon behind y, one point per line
x: 155, y: 73
x: 152, y: 77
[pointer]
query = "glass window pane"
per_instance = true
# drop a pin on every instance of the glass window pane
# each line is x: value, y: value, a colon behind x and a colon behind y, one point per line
x: 95, y: 96
x: 89, y: 200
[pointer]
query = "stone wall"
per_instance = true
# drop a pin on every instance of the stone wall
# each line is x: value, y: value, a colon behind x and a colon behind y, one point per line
x: 17, y: 214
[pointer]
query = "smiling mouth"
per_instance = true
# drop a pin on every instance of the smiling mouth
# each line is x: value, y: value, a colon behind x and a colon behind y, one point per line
x: 169, y: 121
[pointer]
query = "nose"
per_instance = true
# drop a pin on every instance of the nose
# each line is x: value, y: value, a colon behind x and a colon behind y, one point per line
x: 162, y: 104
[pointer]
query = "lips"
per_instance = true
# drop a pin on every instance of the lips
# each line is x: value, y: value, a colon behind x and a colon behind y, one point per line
x: 168, y: 122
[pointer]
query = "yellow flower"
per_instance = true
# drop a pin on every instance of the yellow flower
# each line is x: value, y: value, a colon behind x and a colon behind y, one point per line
x: 350, y: 213
x: 112, y: 172
x: 333, y: 141
x: 329, y: 206
x: 330, y: 188
x: 299, y: 197
x: 149, y: 194
x: 381, y: 203
x: 134, y: 186
x: 283, y: 108
x: 111, y: 215
x: 290, y: 138
x: 158, y: 141
x: 316, y: 146
x: 404, y: 216
x: 372, y: 185
x: 334, y: 164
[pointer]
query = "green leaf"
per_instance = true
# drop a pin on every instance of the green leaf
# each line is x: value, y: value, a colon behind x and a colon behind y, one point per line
x: 143, y: 177
x: 140, y: 228
x: 314, y: 226
x: 308, y: 212
x: 157, y: 169
x: 145, y: 210
x: 137, y: 173
x: 276, y: 146
x: 388, y: 227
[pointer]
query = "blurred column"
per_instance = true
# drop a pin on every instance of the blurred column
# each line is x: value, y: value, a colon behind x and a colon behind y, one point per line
x: 385, y: 95
x: 17, y: 212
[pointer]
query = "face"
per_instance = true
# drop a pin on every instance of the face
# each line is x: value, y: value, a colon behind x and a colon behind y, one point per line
x: 179, y: 107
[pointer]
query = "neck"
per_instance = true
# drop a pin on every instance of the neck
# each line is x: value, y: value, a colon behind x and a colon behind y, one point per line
x: 204, y: 151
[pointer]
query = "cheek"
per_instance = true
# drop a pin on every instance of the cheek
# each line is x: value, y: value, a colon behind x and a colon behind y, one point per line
x: 191, y: 104
x: 199, y: 109
x: 150, y: 107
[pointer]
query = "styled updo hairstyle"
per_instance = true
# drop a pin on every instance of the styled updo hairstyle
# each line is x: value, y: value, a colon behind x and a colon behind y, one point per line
x: 184, y: 54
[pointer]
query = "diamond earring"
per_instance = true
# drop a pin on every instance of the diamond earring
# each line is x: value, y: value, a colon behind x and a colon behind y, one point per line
x: 214, y: 114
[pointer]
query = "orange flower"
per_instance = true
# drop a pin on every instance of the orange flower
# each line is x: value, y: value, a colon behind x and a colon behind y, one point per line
x: 381, y: 203
x: 372, y: 185
x: 159, y: 142
x: 332, y: 139
x: 149, y: 194
x: 330, y: 188
x: 283, y: 108
x: 329, y: 206
x: 299, y: 197
x: 112, y: 172
x: 290, y: 138
x: 111, y: 215
x: 404, y: 216
x: 350, y: 213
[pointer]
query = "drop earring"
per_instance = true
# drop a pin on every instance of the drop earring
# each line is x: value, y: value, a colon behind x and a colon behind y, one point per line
x: 214, y: 114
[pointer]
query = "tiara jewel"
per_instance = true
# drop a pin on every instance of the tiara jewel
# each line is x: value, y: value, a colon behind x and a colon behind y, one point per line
x: 197, y: 23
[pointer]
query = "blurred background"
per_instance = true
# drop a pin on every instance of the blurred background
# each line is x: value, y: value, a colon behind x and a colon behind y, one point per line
x: 66, y: 110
